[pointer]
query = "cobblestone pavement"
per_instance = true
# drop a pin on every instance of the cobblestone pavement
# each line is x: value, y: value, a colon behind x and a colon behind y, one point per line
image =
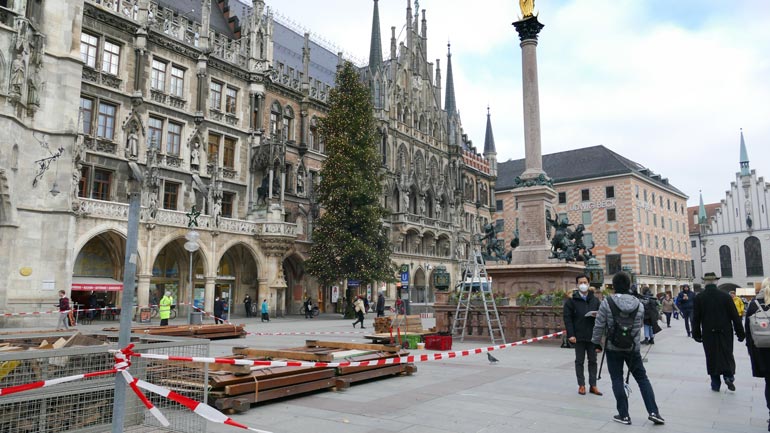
x: 531, y: 389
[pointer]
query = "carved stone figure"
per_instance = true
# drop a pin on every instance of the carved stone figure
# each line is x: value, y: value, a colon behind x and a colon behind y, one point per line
x: 300, y: 183
x: 33, y: 84
x: 405, y: 198
x: 492, y: 248
x: 17, y: 75
x: 263, y: 189
x: 567, y: 244
x: 152, y: 210
x: 217, y: 211
x: 132, y: 144
x: 195, y: 157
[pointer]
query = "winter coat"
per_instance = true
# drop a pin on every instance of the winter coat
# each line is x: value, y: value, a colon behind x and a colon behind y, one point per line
x: 713, y: 320
x: 739, y: 305
x: 651, y: 314
x: 605, y: 321
x: 164, y: 307
x: 219, y: 307
x: 667, y: 305
x: 264, y: 307
x: 685, y: 305
x: 380, y: 303
x: 64, y: 304
x: 760, y: 358
x: 359, y: 306
x: 575, y: 320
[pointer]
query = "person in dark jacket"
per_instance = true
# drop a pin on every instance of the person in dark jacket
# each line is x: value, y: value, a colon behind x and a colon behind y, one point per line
x: 760, y: 357
x: 632, y: 357
x: 714, y: 318
x: 381, y: 303
x: 580, y: 327
x: 650, y: 316
x: 684, y: 303
x: 219, y: 310
x: 247, y: 305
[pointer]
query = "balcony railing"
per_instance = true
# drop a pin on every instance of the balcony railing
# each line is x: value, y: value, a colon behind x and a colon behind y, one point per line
x: 119, y: 211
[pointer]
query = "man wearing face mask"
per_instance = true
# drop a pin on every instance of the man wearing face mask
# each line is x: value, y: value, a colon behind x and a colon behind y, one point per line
x: 579, y: 317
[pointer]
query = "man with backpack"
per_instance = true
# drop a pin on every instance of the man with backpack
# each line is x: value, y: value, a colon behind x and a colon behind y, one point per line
x: 621, y: 316
x: 713, y: 320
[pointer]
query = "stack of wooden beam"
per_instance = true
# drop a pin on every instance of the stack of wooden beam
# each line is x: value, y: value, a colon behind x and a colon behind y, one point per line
x: 236, y: 388
x: 211, y: 332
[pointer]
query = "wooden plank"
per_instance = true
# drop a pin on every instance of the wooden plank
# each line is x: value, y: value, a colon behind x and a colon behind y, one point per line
x: 277, y: 382
x: 349, y: 345
x: 373, y: 373
x: 257, y: 372
x: 243, y: 402
x: 251, y: 352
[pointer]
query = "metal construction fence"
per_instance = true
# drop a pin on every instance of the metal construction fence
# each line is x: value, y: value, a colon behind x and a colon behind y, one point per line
x: 86, y: 405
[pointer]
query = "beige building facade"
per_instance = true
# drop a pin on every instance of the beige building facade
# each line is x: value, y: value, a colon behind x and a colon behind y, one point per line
x: 633, y: 216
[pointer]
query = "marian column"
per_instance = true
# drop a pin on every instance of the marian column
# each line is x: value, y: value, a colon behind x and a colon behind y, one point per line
x: 533, y: 190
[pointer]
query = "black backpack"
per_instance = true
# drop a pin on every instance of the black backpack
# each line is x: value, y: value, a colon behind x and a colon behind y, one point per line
x: 621, y: 334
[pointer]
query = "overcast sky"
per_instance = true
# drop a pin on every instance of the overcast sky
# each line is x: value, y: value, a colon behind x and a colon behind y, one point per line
x: 666, y: 83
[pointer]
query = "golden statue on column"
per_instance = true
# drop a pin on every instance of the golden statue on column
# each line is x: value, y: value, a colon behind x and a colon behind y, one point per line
x: 527, y: 6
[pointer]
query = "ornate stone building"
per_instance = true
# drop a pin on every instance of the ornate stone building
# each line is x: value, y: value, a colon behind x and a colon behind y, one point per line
x: 438, y: 188
x: 217, y: 107
x: 732, y: 238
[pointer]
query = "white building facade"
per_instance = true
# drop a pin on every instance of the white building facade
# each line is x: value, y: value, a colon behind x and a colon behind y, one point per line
x: 733, y: 241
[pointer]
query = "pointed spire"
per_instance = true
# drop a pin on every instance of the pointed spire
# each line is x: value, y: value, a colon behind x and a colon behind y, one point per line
x: 450, y: 105
x: 375, y: 47
x: 745, y: 171
x: 489, y: 138
x: 701, y: 210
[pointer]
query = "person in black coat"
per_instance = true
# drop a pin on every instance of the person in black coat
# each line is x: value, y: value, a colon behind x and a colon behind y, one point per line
x: 684, y: 302
x: 247, y: 305
x: 760, y: 357
x: 580, y: 327
x: 713, y: 320
x: 219, y: 310
x: 381, y: 303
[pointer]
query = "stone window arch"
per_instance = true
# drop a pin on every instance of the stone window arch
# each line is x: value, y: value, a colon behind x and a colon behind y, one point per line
x: 275, y: 118
x: 287, y: 128
x: 753, y: 250
x: 725, y: 261
x: 313, y: 134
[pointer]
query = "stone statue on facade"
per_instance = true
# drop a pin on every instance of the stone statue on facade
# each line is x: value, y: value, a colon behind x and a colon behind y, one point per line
x: 195, y: 156
x: 132, y: 144
x: 217, y: 211
x: 152, y: 209
x: 263, y: 190
x: 300, y: 183
x: 18, y: 73
x: 33, y: 90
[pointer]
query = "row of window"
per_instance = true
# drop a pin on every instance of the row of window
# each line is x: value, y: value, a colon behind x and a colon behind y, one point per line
x: 159, y: 74
x: 585, y: 194
x: 672, y: 225
x: 678, y: 208
x: 97, y: 183
x: 659, y: 266
x: 664, y: 244
x: 110, y: 53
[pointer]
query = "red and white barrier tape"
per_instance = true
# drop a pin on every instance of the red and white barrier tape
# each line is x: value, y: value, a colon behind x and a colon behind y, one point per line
x: 386, y: 361
x: 38, y: 313
x: 51, y: 382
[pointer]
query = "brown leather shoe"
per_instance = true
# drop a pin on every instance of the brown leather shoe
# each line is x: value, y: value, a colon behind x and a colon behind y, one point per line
x: 582, y: 390
x: 595, y: 390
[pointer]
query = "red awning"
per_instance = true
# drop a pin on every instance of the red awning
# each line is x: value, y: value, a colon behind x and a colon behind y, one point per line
x: 96, y: 284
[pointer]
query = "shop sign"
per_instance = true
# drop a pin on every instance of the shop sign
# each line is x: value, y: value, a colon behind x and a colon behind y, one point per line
x: 600, y: 204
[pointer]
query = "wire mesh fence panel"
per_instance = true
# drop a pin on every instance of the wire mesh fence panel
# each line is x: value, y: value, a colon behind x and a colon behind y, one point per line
x: 87, y: 405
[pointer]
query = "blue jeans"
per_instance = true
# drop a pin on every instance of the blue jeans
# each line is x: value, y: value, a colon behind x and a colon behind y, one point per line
x: 648, y: 334
x: 633, y: 359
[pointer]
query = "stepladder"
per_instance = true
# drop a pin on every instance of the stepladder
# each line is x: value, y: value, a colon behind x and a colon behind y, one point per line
x: 475, y: 299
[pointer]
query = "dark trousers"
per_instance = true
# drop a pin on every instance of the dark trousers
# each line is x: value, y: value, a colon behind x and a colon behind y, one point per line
x: 668, y: 319
x: 585, y: 349
x: 359, y: 318
x: 633, y: 359
x: 686, y: 314
x: 248, y: 310
x: 716, y: 381
x: 767, y: 392
x: 218, y: 317
x: 163, y: 322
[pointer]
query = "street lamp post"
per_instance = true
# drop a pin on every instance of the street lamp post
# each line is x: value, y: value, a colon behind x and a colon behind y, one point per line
x: 192, y: 246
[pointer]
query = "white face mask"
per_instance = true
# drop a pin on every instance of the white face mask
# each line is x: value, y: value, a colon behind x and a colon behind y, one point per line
x: 583, y: 288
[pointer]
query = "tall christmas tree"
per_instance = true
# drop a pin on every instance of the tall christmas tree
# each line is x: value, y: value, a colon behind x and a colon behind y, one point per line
x: 349, y: 240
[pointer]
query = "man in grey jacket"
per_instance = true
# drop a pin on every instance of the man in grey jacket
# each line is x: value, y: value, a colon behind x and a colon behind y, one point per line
x: 616, y: 357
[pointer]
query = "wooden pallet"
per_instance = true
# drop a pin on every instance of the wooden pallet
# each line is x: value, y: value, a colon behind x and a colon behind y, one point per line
x: 210, y: 332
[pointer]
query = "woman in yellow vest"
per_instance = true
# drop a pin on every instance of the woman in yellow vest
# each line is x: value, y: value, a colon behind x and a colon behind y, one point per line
x: 164, y: 309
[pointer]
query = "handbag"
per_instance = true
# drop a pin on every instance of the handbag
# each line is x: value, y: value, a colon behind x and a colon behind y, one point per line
x: 759, y: 325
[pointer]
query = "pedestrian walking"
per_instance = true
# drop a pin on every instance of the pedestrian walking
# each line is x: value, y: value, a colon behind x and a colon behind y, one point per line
x: 621, y: 316
x: 219, y: 310
x: 714, y: 318
x: 64, y: 310
x: 739, y: 305
x: 247, y: 305
x: 684, y: 304
x: 381, y: 303
x: 265, y: 310
x: 667, y: 306
x: 579, y: 317
x: 308, y: 308
x: 760, y: 357
x: 651, y: 316
x: 360, y: 310
x: 164, y: 308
